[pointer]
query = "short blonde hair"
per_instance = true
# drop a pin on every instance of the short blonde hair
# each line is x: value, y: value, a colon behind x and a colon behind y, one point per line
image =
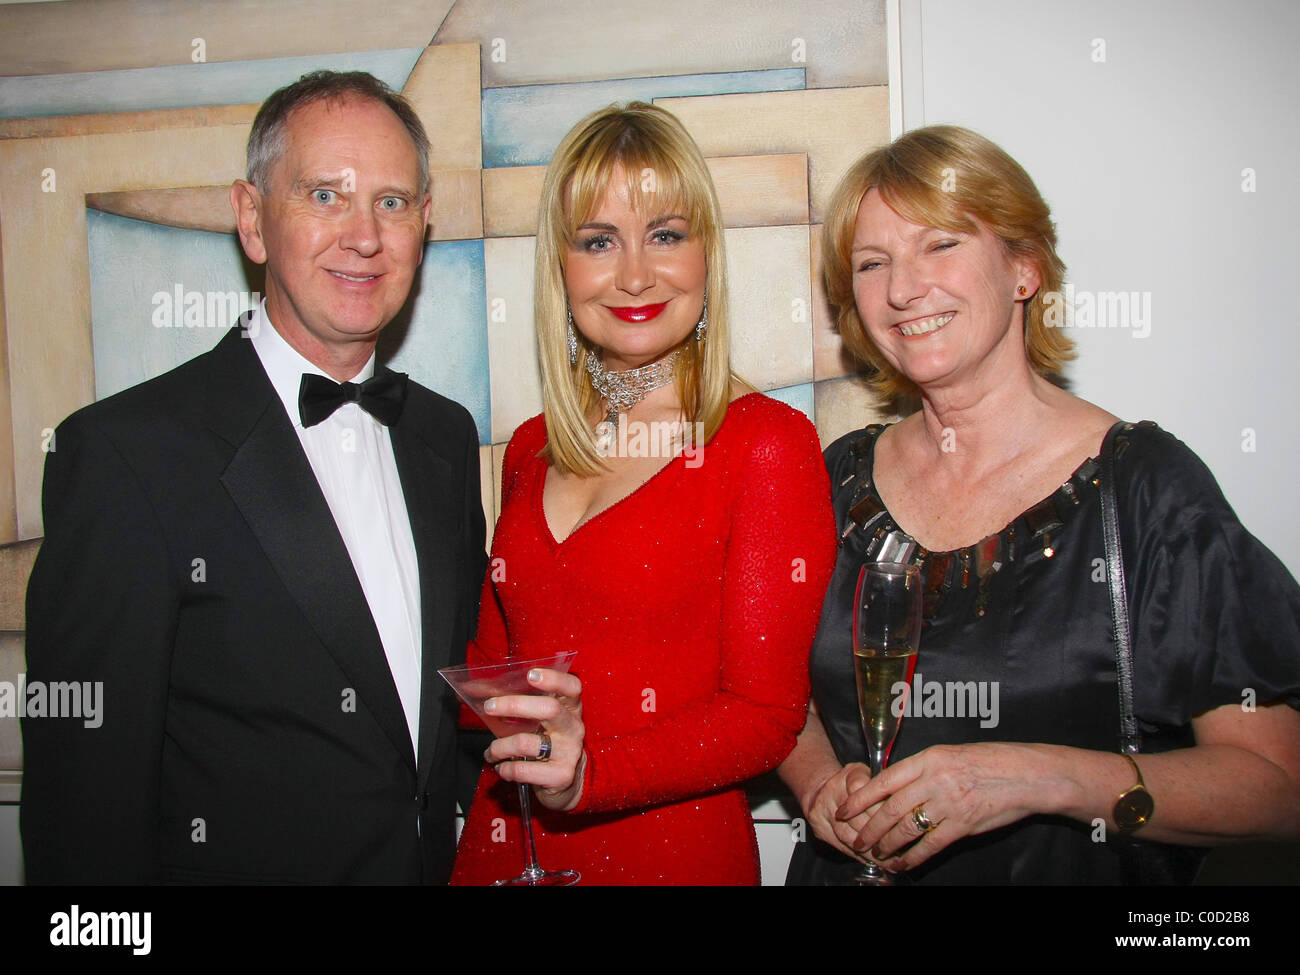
x: 948, y: 177
x: 659, y: 160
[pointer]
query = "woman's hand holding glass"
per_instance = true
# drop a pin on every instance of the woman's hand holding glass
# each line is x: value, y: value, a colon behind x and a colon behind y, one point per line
x: 823, y: 808
x: 556, y: 777
x: 958, y: 790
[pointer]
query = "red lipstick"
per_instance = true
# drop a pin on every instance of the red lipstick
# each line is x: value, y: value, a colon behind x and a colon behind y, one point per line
x: 640, y: 313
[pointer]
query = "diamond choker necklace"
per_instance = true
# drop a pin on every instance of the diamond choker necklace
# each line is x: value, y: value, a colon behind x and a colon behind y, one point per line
x: 623, y: 390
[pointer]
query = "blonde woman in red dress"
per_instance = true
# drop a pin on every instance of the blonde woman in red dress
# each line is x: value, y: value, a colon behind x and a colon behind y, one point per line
x: 662, y: 519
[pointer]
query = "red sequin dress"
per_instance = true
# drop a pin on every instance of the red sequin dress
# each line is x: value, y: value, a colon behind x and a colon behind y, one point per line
x: 692, y: 604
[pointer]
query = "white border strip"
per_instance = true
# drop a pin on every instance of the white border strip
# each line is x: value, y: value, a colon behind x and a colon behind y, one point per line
x: 906, y: 66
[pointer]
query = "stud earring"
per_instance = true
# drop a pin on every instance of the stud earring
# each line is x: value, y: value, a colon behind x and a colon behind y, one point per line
x: 1022, y: 291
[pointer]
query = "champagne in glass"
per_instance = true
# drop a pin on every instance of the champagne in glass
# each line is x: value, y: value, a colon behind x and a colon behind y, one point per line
x: 881, y: 701
x: 886, y: 636
x: 474, y: 686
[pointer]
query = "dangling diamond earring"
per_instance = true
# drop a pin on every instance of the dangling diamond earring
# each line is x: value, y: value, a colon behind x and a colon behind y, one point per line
x: 573, y: 338
x: 702, y: 325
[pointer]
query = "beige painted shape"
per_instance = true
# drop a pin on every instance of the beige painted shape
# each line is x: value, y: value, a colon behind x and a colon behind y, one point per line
x: 107, y: 123
x: 189, y: 207
x: 593, y: 40
x: 767, y: 279
x: 8, y: 486
x: 443, y: 88
x: 16, y: 563
x: 844, y: 405
x: 44, y: 264
x: 753, y: 191
x: 107, y: 35
x: 13, y: 661
x: 47, y: 308
x: 457, y: 212
x: 830, y: 357
x: 512, y: 344
x: 511, y: 198
x: 761, y: 191
x: 487, y: 489
x: 498, y: 465
x: 833, y: 126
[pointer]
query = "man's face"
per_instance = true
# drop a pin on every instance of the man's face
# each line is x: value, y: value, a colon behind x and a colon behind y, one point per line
x: 341, y: 226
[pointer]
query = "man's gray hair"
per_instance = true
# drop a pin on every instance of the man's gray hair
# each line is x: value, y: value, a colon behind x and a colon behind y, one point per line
x: 266, y: 141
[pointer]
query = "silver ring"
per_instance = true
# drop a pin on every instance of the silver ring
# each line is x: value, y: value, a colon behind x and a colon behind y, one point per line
x: 544, y: 749
x: 921, y: 821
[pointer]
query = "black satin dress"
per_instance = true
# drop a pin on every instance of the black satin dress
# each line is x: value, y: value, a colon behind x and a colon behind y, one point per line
x: 1215, y: 615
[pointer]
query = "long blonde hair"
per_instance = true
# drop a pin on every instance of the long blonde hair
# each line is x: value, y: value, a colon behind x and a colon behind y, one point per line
x: 659, y: 158
x: 948, y: 177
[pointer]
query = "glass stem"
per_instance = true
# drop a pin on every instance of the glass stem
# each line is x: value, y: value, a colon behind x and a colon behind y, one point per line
x: 871, y: 873
x: 531, y: 869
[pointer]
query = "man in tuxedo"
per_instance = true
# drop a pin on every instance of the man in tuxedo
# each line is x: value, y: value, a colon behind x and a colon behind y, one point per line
x: 266, y: 554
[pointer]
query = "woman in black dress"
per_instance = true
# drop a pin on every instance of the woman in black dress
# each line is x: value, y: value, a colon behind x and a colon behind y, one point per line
x: 941, y: 263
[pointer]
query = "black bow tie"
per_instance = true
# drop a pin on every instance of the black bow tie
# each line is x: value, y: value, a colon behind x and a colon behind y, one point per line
x: 381, y: 396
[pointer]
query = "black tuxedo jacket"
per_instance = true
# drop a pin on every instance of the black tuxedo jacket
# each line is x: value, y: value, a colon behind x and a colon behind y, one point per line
x: 251, y: 730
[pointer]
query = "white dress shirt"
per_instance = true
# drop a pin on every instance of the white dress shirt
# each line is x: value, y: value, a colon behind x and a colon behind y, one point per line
x: 351, y: 454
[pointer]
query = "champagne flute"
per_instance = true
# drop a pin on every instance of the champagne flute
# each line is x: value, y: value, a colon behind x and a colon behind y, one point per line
x: 886, y: 634
x: 474, y: 686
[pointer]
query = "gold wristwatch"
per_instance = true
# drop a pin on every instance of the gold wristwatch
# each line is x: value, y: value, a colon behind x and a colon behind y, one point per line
x: 1134, y: 807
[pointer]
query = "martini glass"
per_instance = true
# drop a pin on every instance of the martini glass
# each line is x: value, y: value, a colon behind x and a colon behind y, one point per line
x: 474, y: 685
x: 886, y: 634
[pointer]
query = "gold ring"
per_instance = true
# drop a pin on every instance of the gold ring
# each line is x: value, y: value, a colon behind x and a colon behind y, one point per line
x: 921, y: 821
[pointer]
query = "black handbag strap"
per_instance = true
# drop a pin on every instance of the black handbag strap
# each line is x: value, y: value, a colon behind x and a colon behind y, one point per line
x: 1142, y: 862
x: 1130, y: 740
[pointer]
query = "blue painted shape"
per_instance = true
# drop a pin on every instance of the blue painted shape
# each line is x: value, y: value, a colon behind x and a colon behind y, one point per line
x: 186, y: 85
x: 441, y: 339
x: 141, y: 328
x: 135, y: 271
x: 523, y: 125
x: 800, y: 397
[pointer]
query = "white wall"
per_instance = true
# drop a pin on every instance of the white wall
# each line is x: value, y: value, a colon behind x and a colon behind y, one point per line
x: 1141, y: 158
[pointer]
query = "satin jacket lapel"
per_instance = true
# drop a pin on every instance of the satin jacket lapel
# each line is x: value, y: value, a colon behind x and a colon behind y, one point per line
x: 434, y: 509
x: 272, y: 483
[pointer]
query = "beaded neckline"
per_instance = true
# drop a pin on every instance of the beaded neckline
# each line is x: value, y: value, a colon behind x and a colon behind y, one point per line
x: 1034, y: 530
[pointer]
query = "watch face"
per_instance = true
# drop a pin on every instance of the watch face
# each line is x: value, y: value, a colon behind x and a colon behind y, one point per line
x: 1134, y: 808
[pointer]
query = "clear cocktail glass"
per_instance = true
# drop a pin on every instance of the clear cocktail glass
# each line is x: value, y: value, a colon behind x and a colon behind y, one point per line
x: 475, y: 685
